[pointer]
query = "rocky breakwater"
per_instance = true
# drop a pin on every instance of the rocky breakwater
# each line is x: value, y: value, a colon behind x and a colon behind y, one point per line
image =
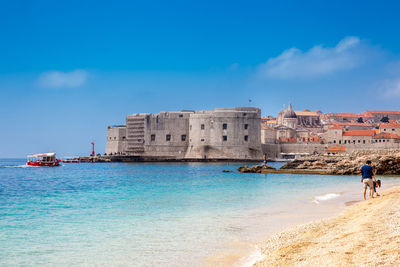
x: 255, y: 169
x: 384, y: 163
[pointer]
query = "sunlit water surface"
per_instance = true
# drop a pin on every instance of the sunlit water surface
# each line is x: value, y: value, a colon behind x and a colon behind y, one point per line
x: 148, y: 214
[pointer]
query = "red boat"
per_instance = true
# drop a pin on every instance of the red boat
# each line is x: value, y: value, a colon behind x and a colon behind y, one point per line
x: 45, y: 160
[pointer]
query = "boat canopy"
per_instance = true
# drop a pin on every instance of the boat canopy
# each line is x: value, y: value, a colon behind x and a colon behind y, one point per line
x: 51, y: 154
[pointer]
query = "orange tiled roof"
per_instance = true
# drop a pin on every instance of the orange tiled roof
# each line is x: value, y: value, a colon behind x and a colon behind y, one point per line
x: 342, y: 114
x: 383, y: 112
x: 389, y: 125
x: 386, y: 136
x: 366, y: 115
x: 271, y: 122
x: 350, y: 124
x: 306, y: 113
x: 336, y: 148
x: 336, y: 127
x: 359, y: 133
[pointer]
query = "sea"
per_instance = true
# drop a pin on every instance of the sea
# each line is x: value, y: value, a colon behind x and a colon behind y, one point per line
x: 156, y: 214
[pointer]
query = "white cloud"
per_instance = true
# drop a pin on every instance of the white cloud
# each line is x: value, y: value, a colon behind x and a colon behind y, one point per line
x: 390, y: 88
x: 58, y: 79
x: 318, y: 61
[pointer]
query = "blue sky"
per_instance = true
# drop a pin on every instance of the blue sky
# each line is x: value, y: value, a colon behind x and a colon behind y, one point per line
x: 70, y: 68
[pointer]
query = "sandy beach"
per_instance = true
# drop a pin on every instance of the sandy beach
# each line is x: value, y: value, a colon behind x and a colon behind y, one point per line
x: 365, y: 234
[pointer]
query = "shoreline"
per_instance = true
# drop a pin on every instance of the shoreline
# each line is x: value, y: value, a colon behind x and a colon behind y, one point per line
x: 131, y: 158
x: 364, y: 233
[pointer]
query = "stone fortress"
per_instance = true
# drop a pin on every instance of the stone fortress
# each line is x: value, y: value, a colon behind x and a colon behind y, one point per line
x: 222, y: 133
x: 242, y: 134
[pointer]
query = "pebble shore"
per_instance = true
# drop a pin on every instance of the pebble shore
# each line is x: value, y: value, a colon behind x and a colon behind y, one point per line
x: 365, y: 234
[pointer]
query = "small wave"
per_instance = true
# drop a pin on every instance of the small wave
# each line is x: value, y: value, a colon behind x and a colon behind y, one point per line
x: 16, y: 166
x: 325, y: 197
x: 252, y: 258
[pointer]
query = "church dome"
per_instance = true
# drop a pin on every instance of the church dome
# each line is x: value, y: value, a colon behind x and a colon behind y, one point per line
x: 290, y: 114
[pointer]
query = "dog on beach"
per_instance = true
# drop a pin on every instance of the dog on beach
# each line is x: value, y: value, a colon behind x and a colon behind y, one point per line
x: 377, y: 184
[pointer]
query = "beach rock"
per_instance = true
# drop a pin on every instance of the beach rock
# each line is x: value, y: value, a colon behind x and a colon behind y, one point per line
x: 227, y: 171
x: 254, y: 169
x: 385, y: 162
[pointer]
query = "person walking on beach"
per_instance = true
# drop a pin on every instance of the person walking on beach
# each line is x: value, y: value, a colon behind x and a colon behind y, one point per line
x: 367, y: 174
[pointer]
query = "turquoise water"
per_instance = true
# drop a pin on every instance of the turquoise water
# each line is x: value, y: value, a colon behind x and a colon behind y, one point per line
x: 148, y: 214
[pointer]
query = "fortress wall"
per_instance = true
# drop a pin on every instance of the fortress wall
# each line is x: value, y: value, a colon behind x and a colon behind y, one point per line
x: 240, y: 140
x: 374, y: 146
x: 116, y: 139
x: 173, y: 124
x: 273, y: 151
x: 268, y: 136
x: 311, y: 148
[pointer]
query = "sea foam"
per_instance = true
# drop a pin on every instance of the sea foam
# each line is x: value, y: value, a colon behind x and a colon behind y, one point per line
x: 252, y: 258
x: 325, y: 197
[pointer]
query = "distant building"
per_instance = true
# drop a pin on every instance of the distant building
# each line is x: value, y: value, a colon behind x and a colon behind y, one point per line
x: 391, y: 127
x: 340, y: 117
x: 378, y: 115
x: 336, y: 136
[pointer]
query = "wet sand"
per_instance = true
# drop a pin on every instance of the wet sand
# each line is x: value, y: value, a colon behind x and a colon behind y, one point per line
x: 367, y: 233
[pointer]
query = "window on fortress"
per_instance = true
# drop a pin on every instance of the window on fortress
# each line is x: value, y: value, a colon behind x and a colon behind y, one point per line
x: 383, y: 140
x: 115, y: 138
x: 392, y: 129
x: 363, y: 141
x: 202, y: 126
x: 340, y: 141
x: 359, y: 141
x: 183, y: 137
x: 334, y: 141
x: 224, y: 126
x: 180, y: 115
x: 246, y: 138
x: 202, y: 140
x: 168, y: 137
x: 224, y: 138
x: 246, y: 126
x: 153, y: 137
x: 384, y: 130
x: 190, y: 127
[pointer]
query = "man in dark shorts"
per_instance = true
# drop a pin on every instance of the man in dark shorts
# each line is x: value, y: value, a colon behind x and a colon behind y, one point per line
x: 367, y: 174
